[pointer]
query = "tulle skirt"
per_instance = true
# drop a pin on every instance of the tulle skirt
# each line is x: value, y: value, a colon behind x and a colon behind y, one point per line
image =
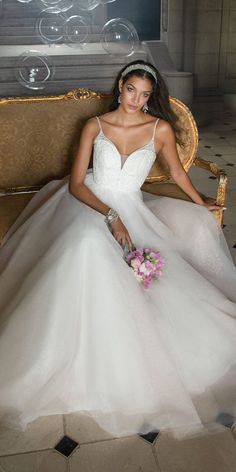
x: 78, y: 333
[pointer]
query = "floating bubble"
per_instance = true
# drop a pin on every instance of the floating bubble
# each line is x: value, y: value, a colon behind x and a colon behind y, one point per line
x: 50, y: 3
x: 87, y: 5
x: 103, y: 2
x: 50, y: 25
x: 76, y: 31
x: 119, y: 36
x: 58, y: 5
x: 33, y: 70
x: 24, y: 1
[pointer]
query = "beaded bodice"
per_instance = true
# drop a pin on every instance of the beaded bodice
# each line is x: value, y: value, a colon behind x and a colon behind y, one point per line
x: 125, y: 173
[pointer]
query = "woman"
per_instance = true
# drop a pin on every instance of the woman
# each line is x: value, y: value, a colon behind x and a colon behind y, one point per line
x: 78, y: 332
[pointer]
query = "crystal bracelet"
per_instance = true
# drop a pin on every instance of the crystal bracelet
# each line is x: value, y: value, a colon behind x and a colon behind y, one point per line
x: 111, y: 216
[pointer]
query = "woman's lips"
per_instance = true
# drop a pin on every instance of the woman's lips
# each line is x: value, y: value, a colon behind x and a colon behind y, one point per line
x: 132, y: 107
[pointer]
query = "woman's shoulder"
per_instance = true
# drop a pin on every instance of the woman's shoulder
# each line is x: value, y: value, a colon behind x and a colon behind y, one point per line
x: 164, y: 132
x: 109, y: 117
x: 164, y: 127
x: 91, y: 126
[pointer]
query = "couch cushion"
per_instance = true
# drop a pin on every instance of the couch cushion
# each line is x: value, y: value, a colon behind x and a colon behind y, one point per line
x: 166, y: 189
x: 10, y: 208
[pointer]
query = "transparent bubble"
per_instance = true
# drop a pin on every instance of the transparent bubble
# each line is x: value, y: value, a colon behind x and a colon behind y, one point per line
x: 33, y: 70
x: 119, y: 36
x: 24, y: 1
x: 87, y: 5
x: 76, y: 31
x: 50, y: 25
x: 50, y: 3
x: 58, y: 5
x: 103, y: 2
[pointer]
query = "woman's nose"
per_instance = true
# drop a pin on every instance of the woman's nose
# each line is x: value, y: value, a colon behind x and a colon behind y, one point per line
x: 136, y: 100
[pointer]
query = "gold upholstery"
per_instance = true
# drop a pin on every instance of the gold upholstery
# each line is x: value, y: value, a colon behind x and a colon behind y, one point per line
x: 39, y: 137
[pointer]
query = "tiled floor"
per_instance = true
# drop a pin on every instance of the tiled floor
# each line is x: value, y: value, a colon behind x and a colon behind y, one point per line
x: 94, y: 450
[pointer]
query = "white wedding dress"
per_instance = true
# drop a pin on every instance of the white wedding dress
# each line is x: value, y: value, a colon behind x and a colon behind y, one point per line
x: 79, y: 333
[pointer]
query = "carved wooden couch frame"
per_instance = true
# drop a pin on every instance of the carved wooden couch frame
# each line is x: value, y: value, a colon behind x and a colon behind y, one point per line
x: 39, y: 137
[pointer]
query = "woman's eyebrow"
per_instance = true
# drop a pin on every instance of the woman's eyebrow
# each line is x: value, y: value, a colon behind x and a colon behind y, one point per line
x: 145, y: 91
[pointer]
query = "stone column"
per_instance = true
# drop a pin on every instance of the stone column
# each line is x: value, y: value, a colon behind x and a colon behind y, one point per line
x: 227, y: 68
x: 172, y: 29
x: 207, y: 48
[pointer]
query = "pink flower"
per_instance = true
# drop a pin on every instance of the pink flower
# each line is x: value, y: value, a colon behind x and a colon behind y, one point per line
x: 154, y: 255
x: 139, y: 254
x: 135, y: 263
x: 146, y: 264
x: 147, y: 281
x: 143, y: 269
x: 149, y: 266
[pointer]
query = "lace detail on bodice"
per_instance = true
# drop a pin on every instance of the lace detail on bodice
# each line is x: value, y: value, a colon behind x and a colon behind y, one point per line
x: 125, y: 173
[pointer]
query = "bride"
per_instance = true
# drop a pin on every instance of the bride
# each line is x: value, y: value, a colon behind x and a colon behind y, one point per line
x: 77, y: 330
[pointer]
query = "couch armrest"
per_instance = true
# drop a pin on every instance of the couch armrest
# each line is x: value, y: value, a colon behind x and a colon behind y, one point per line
x: 221, y: 175
x: 217, y: 172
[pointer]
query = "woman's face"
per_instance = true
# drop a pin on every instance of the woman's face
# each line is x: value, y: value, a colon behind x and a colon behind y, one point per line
x: 135, y: 93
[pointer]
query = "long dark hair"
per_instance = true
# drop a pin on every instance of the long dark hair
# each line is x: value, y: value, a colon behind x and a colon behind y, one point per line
x: 158, y: 103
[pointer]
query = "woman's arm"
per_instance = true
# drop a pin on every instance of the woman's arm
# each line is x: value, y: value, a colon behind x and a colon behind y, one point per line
x: 80, y: 166
x: 166, y: 139
x: 80, y: 191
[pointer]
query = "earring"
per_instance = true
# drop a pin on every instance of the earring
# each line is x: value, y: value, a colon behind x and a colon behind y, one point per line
x: 145, y: 108
x: 119, y: 98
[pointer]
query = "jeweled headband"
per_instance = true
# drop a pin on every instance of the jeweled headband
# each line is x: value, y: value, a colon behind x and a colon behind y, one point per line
x: 139, y: 66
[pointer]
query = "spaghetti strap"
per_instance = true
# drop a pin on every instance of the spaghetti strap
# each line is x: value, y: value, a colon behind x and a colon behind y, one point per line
x: 99, y: 123
x: 154, y: 129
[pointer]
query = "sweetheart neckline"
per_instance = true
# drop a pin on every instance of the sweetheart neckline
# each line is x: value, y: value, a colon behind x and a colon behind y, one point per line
x: 128, y: 156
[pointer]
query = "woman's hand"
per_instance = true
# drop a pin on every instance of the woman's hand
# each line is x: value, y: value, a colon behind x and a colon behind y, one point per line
x: 120, y: 233
x: 210, y: 204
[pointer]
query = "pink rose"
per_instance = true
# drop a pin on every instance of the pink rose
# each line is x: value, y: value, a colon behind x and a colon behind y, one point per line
x: 135, y: 263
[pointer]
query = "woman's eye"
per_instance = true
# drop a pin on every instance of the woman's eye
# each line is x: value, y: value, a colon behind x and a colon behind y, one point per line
x: 146, y: 95
x: 130, y: 89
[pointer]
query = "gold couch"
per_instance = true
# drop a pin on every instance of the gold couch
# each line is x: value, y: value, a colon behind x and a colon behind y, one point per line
x: 39, y: 137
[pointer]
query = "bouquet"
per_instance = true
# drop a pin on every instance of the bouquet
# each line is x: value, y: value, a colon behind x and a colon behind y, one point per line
x: 146, y: 263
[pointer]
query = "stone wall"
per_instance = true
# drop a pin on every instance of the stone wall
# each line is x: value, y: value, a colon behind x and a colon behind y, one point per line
x: 201, y: 38
x: 227, y: 66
